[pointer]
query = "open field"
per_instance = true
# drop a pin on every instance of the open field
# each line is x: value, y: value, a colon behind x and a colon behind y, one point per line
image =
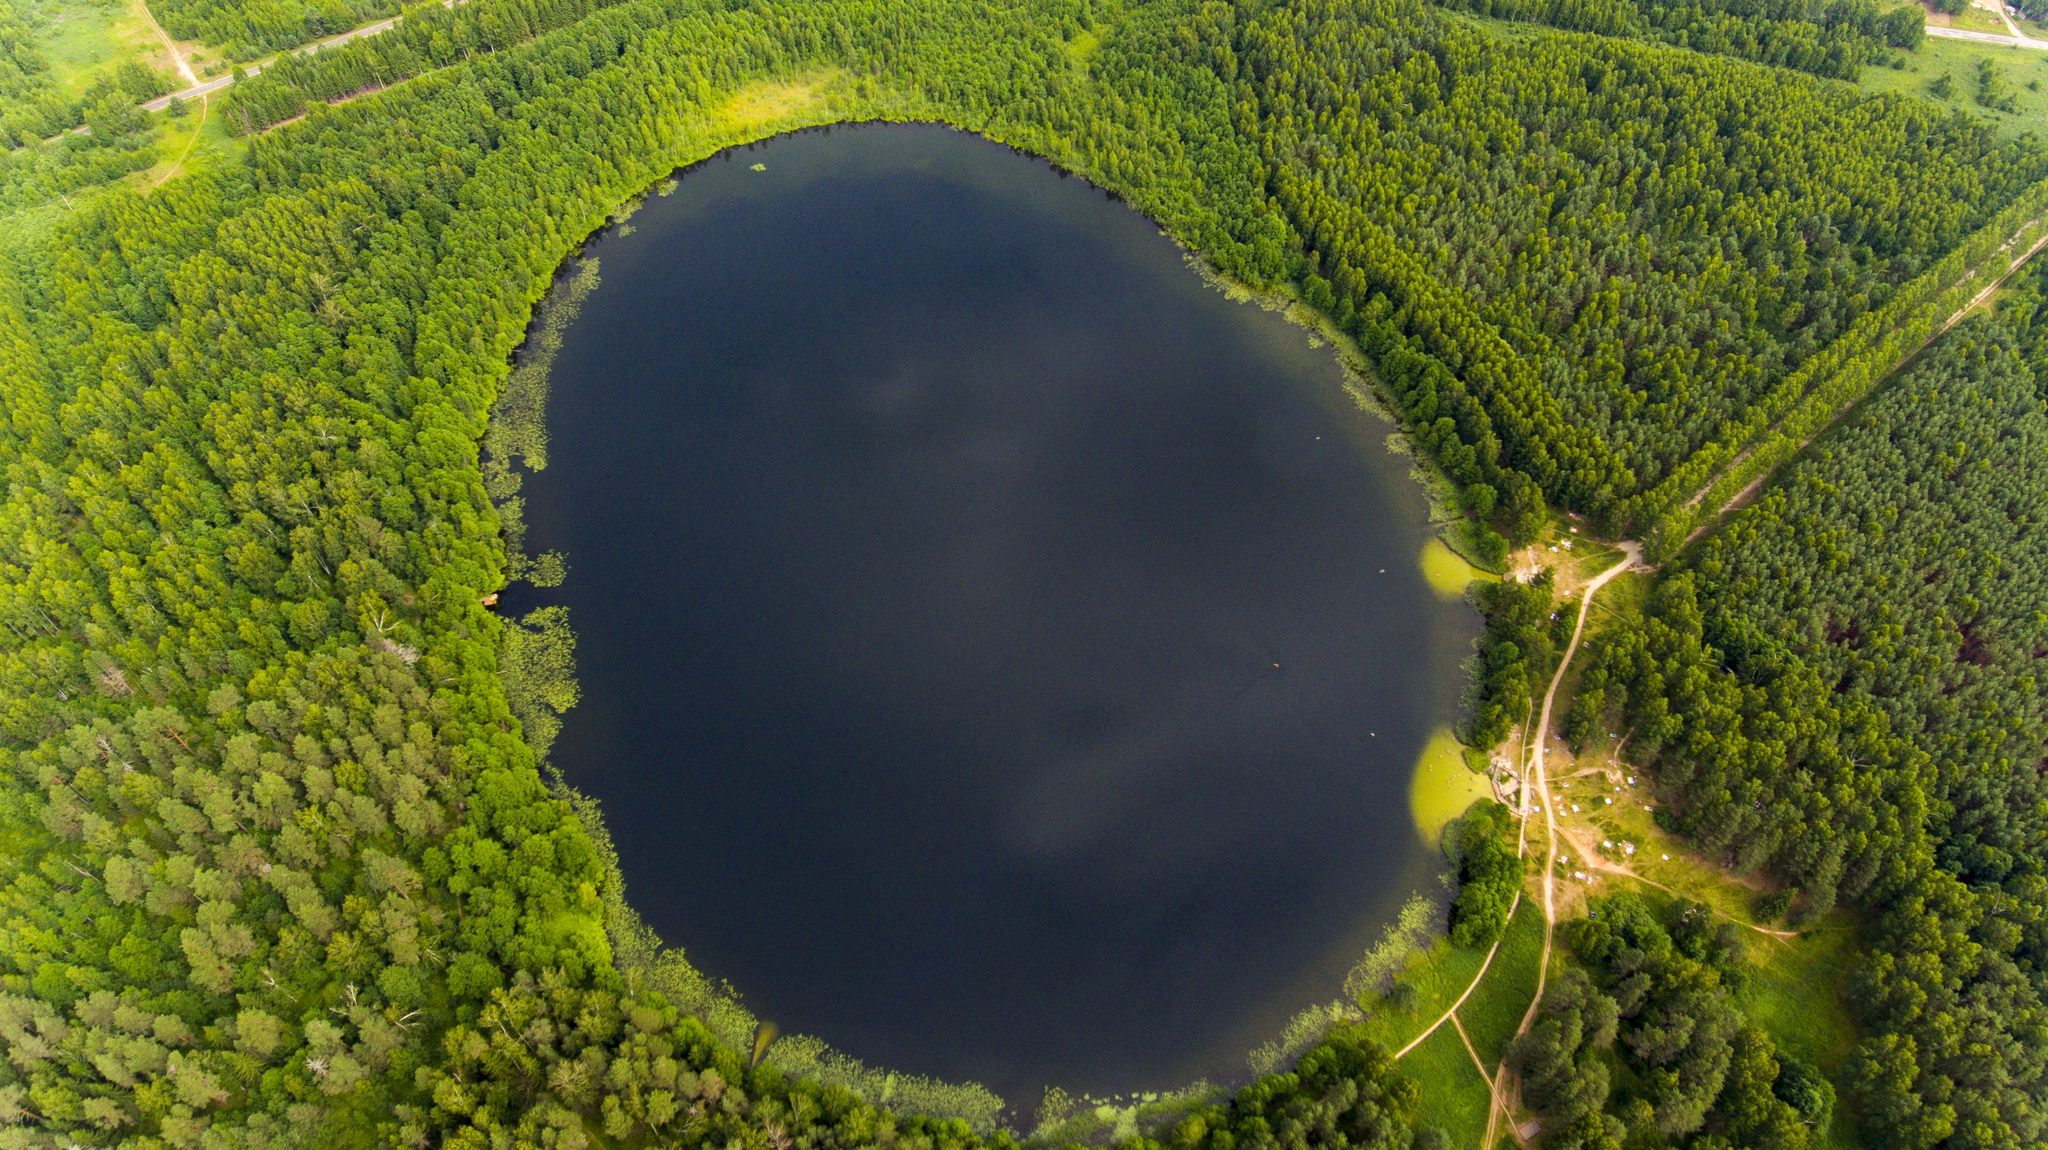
x: 85, y: 39
x: 1958, y: 60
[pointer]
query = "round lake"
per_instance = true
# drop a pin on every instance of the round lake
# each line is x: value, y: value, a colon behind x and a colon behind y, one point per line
x: 1003, y: 656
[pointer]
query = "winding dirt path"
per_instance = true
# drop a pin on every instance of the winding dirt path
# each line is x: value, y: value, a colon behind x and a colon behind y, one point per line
x: 1533, y: 774
x: 189, y: 145
x: 1632, y: 556
x: 1449, y: 1015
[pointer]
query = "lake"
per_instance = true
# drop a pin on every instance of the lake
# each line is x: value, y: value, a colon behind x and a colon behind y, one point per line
x: 1003, y: 656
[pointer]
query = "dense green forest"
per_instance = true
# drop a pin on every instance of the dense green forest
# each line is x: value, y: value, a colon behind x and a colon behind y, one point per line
x: 1517, y: 653
x: 1612, y: 250
x: 1490, y: 873
x: 1827, y: 38
x: 246, y: 29
x: 1656, y: 994
x: 431, y: 37
x: 1843, y: 688
x: 1721, y: 221
x: 281, y: 862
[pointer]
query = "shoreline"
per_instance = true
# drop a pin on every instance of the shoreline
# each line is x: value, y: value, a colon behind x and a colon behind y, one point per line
x: 637, y: 950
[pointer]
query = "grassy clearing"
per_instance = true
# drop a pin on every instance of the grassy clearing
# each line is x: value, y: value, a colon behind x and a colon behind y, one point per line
x: 1439, y: 975
x: 1082, y: 47
x: 1443, y: 785
x: 1798, y: 987
x: 82, y: 40
x: 198, y: 141
x: 195, y: 143
x: 1971, y: 19
x: 770, y: 103
x: 1958, y: 59
x: 1800, y: 993
x: 1585, y: 559
x: 1623, y: 599
x: 1798, y: 990
x: 1494, y: 1012
x: 1792, y: 977
x: 1454, y: 1096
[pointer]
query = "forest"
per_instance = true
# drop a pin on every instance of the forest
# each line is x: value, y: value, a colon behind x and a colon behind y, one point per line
x: 1640, y: 272
x: 1655, y: 993
x: 283, y: 865
x: 246, y: 29
x: 1841, y: 689
x: 1836, y: 38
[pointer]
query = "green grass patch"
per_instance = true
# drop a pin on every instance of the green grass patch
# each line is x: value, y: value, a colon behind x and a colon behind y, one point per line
x: 1082, y: 47
x: 1797, y: 988
x: 1970, y: 19
x: 84, y: 39
x: 1443, y: 786
x: 1958, y: 59
x: 1586, y: 558
x: 1799, y: 991
x: 1439, y: 975
x: 1622, y: 600
x: 1453, y: 1094
x: 1494, y: 1012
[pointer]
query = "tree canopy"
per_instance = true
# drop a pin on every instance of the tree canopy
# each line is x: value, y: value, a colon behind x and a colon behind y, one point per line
x: 281, y: 862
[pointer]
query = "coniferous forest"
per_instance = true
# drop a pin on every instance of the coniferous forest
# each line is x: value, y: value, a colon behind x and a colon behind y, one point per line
x: 282, y: 866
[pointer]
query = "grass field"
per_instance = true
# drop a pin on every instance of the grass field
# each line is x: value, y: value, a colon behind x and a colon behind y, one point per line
x: 1958, y: 60
x: 197, y: 142
x: 85, y: 37
x: 182, y: 153
x: 1454, y: 1096
x: 1494, y: 1012
x: 1439, y: 975
x: 1799, y: 992
x: 1971, y: 18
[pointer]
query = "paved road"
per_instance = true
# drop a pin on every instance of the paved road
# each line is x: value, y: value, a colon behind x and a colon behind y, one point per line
x: 216, y: 84
x: 1988, y: 37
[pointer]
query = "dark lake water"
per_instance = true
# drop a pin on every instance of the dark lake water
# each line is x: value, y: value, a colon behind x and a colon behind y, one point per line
x: 1003, y: 656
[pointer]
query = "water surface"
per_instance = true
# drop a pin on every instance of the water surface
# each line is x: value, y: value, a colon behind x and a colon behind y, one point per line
x: 1003, y: 656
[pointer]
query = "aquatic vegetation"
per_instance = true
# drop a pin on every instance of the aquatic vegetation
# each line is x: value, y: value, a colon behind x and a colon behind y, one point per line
x: 1444, y: 785
x: 538, y: 666
x: 518, y: 428
x: 1379, y: 966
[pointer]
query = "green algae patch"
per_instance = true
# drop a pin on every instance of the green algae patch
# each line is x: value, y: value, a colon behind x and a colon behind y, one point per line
x: 1443, y: 785
x: 1446, y: 572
